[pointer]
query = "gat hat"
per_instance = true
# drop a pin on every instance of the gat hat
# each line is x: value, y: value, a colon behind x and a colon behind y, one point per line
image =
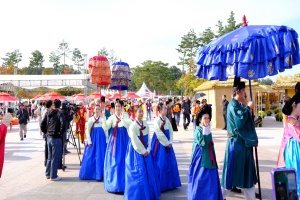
x: 238, y: 84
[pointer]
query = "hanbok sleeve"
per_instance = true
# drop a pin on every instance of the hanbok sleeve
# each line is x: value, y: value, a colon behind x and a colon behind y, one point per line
x: 88, y: 134
x: 147, y: 130
x: 126, y: 120
x: 160, y: 135
x: 244, y: 121
x: 107, y: 124
x: 170, y: 130
x: 135, y: 141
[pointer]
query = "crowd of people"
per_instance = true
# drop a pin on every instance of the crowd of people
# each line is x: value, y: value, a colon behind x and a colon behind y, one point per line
x: 120, y: 152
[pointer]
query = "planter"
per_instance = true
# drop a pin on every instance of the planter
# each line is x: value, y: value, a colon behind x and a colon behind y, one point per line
x: 260, y: 125
x: 269, y: 114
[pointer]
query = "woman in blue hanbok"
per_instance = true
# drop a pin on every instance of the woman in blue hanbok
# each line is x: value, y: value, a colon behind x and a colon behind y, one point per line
x: 203, y: 177
x: 289, y: 154
x: 94, y: 151
x: 163, y: 151
x: 114, y: 163
x: 141, y: 172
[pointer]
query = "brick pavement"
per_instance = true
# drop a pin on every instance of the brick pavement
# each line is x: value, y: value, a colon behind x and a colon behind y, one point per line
x: 23, y: 175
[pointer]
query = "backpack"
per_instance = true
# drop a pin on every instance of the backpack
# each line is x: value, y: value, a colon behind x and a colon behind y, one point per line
x: 176, y: 108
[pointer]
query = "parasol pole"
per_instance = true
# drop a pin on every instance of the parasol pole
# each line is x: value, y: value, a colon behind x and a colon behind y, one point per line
x: 255, y: 148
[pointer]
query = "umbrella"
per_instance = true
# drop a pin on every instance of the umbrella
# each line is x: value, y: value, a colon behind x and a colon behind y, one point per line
x: 6, y: 97
x: 250, y: 52
x: 37, y: 96
x: 198, y: 95
x: 116, y: 96
x: 108, y: 96
x: 130, y: 95
x: 78, y: 97
x: 95, y: 95
x: 51, y: 96
x: 120, y: 76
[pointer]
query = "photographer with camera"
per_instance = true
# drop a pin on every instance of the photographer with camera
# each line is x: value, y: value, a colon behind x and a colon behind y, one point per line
x: 54, y: 125
x: 68, y: 110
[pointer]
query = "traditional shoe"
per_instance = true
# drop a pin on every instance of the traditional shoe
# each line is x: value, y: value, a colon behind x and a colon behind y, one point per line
x: 58, y: 178
x: 236, y: 190
x: 24, y: 136
x: 47, y: 177
x: 21, y: 139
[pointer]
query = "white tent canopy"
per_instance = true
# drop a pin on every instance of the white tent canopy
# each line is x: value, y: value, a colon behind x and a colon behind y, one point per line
x: 144, y: 91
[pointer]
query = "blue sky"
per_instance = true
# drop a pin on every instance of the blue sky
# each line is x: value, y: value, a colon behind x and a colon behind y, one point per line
x: 136, y: 30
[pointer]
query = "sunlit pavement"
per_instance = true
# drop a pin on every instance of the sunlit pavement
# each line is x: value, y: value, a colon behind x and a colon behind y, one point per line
x: 23, y: 175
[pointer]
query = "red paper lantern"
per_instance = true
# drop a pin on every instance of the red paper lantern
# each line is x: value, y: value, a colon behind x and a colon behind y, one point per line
x: 99, y: 70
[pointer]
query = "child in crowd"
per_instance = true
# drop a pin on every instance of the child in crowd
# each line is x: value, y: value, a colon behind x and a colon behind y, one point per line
x: 141, y: 173
x: 203, y: 177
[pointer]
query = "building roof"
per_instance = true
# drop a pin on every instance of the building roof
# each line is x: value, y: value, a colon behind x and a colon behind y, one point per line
x: 208, y: 85
x: 288, y: 83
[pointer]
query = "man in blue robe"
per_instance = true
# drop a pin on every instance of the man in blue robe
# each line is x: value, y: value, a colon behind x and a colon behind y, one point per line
x: 239, y: 166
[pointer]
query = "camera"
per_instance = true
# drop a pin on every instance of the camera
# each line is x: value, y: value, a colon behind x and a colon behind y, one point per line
x: 66, y: 106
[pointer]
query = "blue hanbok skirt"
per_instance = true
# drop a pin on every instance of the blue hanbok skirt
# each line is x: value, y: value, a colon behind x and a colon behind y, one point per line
x: 202, y: 183
x: 167, y: 164
x: 93, y: 158
x: 141, y: 175
x: 292, y: 158
x: 114, y: 166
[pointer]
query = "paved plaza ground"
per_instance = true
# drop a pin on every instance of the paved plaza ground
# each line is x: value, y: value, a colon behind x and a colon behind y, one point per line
x: 23, y: 175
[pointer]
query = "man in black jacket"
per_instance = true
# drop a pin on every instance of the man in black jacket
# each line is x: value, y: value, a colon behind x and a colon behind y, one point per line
x: 54, y: 125
x: 23, y: 118
x: 186, y: 110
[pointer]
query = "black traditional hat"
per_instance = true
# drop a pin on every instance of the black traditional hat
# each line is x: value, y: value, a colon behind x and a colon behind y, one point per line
x: 238, y: 84
x: 103, y: 99
x: 206, y: 109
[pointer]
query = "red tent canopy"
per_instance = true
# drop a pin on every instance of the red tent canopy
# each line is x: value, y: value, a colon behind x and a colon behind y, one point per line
x: 130, y: 95
x: 6, y: 97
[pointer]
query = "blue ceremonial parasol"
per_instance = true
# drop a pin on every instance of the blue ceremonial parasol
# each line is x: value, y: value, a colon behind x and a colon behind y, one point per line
x: 120, y: 76
x: 251, y: 52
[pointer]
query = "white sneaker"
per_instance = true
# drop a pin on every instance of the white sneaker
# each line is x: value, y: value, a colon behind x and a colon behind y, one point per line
x: 58, y: 178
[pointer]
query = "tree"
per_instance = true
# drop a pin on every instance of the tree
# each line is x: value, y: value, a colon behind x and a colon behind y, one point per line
x: 231, y: 24
x: 266, y: 81
x: 162, y: 82
x: 188, y: 48
x: 36, y: 61
x: 77, y: 59
x: 7, y: 70
x: 54, y: 57
x: 176, y: 72
x: 63, y: 50
x: 103, y: 52
x: 47, y: 71
x: 12, y: 58
x: 112, y: 58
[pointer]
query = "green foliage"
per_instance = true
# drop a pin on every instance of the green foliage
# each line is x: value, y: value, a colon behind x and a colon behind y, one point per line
x: 276, y: 110
x: 103, y: 52
x: 54, y: 58
x: 77, y: 59
x: 63, y: 50
x: 156, y: 75
x: 262, y: 114
x: 265, y: 81
x: 12, y: 58
x: 110, y: 55
x: 231, y: 23
x: 278, y: 117
x: 206, y: 36
x: 37, y: 59
x: 269, y: 112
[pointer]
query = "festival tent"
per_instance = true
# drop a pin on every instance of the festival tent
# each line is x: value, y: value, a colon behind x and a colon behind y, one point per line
x: 144, y: 92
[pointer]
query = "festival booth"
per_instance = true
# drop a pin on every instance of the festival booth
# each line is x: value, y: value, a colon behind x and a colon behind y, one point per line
x: 144, y: 92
